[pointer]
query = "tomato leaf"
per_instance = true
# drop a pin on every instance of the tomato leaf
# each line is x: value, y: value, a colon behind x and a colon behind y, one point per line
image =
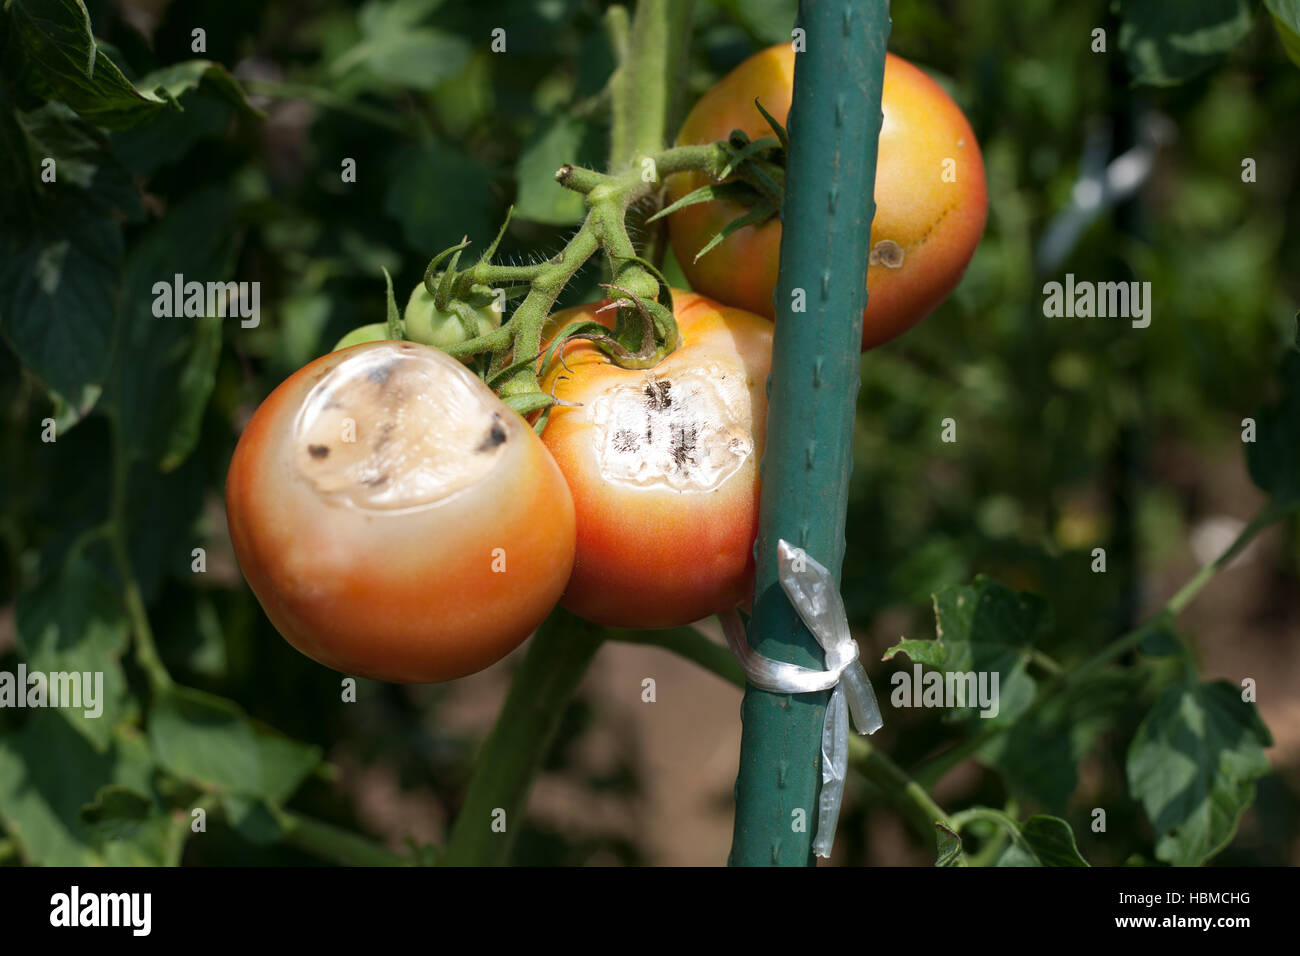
x: 207, y: 740
x: 1169, y: 43
x: 52, y: 54
x: 1052, y: 841
x: 435, y: 191
x: 1040, y: 841
x: 933, y: 653
x: 1193, y: 763
x: 72, y: 624
x: 948, y: 846
x: 1290, y: 39
x: 983, y: 628
x: 61, y: 251
x: 146, y: 148
x: 558, y: 140
x: 116, y: 812
x: 1161, y: 638
x: 194, y: 382
x: 42, y: 799
x: 253, y: 819
x: 196, y: 241
x: 394, y: 49
x: 1286, y: 13
x: 1038, y: 758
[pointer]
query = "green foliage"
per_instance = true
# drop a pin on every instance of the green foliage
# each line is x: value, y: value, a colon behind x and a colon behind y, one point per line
x: 1286, y: 20
x: 1193, y: 764
x: 1169, y: 43
x: 563, y: 139
x: 986, y: 628
x: 1073, y: 435
x: 52, y: 54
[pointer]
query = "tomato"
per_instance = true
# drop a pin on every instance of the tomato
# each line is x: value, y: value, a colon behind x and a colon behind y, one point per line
x: 394, y: 518
x: 925, y: 229
x: 663, y: 466
x: 376, y: 332
x: 430, y: 325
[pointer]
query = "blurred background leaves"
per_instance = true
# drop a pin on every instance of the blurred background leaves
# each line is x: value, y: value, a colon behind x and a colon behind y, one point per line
x: 1073, y: 434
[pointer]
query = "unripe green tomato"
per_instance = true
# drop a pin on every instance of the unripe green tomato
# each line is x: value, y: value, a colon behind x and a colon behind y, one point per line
x: 430, y: 325
x: 375, y: 332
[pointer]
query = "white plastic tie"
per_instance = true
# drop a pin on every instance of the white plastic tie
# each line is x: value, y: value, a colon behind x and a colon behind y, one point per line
x: 816, y: 599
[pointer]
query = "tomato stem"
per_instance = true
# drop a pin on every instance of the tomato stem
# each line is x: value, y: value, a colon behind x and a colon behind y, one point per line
x: 335, y: 843
x: 610, y: 197
x: 492, y: 815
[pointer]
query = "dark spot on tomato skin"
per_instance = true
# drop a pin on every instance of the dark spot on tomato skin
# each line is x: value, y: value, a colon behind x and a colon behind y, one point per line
x: 381, y: 373
x: 682, y: 446
x: 385, y: 433
x: 375, y: 481
x: 657, y: 395
x: 318, y: 451
x: 496, y: 436
x: 625, y: 441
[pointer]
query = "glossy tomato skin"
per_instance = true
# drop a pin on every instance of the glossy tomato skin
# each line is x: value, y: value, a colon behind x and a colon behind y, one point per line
x: 430, y: 325
x: 925, y: 229
x: 663, y: 466
x: 411, y: 587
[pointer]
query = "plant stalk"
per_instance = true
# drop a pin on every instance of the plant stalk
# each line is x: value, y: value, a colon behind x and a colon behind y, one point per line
x: 492, y: 815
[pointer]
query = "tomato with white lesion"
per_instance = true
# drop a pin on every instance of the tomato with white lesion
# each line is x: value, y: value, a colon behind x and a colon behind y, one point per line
x: 663, y: 466
x: 394, y: 518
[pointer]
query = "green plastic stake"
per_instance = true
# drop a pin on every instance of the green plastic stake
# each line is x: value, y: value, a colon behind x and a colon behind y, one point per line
x: 834, y: 124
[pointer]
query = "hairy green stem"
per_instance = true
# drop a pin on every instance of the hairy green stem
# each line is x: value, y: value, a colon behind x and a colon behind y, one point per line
x: 645, y: 87
x: 905, y: 794
x: 608, y: 198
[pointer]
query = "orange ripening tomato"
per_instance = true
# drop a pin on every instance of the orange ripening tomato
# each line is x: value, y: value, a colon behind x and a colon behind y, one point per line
x: 663, y: 466
x: 931, y: 202
x: 394, y: 518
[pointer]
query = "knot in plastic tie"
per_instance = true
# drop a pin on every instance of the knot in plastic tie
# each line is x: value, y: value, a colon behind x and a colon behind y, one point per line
x: 816, y: 599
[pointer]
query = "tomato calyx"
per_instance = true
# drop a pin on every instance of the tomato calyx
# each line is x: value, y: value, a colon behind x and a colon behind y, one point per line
x: 753, y: 176
x: 450, y: 309
x: 652, y: 325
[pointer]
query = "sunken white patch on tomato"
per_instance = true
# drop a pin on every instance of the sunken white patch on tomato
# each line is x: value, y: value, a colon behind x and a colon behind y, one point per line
x: 398, y: 426
x: 688, y: 431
